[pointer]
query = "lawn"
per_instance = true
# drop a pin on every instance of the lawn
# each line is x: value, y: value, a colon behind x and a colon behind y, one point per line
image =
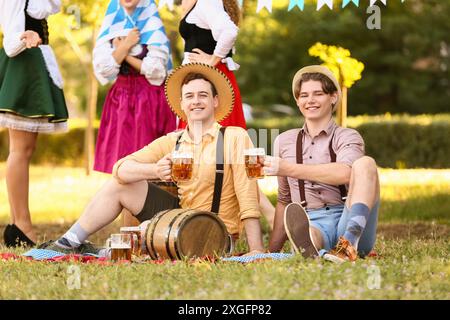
x: 412, y: 251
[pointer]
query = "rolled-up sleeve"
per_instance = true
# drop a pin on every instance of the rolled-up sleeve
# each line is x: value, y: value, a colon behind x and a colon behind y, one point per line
x: 151, y: 153
x: 105, y: 66
x: 349, y: 146
x: 12, y: 21
x: 246, y: 189
x: 154, y: 65
x: 42, y: 9
x: 223, y: 29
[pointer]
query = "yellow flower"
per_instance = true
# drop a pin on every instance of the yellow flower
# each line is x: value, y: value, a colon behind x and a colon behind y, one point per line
x: 346, y: 69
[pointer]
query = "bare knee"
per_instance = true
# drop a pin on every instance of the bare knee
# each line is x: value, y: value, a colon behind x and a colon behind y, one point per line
x: 365, y: 166
x: 23, y: 151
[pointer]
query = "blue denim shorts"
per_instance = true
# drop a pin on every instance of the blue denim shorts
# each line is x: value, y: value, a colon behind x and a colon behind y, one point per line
x: 332, y: 221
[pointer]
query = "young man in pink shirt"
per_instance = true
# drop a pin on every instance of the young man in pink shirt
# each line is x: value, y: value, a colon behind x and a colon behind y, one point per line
x: 328, y: 194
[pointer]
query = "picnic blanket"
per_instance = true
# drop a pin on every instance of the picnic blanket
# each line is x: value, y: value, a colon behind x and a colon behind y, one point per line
x: 54, y: 256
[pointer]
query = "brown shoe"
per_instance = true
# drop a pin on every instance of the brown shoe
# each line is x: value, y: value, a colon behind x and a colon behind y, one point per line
x: 296, y: 224
x: 344, y: 251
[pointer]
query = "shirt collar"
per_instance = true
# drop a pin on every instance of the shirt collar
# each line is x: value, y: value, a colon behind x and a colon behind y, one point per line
x: 328, y: 129
x: 211, y: 133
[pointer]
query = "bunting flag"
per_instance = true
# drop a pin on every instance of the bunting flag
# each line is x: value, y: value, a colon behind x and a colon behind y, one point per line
x: 169, y: 3
x: 321, y: 3
x: 296, y: 3
x: 264, y: 3
x: 372, y: 2
x: 346, y: 2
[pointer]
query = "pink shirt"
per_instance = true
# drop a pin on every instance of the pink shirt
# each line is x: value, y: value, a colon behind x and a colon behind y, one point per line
x: 348, y: 146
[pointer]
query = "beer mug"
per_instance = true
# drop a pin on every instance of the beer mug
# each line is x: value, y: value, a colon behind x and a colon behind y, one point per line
x: 182, y: 166
x: 254, y: 162
x: 119, y: 244
x: 136, y: 239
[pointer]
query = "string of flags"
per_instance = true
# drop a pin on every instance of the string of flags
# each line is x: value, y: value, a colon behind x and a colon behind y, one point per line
x: 300, y: 4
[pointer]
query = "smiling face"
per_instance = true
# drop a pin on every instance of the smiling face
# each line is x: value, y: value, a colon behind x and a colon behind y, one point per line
x: 313, y: 102
x: 129, y: 5
x: 198, y: 101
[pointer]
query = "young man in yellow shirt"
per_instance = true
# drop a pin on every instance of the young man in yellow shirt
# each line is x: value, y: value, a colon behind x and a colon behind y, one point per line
x: 202, y: 96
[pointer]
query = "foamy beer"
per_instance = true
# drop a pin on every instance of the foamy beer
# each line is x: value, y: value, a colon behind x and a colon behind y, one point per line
x: 182, y: 165
x: 254, y: 162
x: 120, y: 246
x: 136, y: 239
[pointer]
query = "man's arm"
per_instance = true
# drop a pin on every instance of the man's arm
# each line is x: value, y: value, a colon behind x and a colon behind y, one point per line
x: 278, y: 236
x: 254, y: 235
x: 132, y: 171
x: 330, y: 173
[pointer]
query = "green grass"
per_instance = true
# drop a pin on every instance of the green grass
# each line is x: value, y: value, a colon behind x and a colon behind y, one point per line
x: 413, y: 251
x: 408, y: 269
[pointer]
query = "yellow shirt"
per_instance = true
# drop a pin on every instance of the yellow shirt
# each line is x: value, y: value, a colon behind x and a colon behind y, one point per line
x: 239, y: 194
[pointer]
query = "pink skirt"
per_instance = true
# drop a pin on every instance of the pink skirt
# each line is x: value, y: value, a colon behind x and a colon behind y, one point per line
x: 134, y: 114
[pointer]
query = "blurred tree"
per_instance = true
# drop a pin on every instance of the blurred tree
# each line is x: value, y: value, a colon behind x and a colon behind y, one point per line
x: 407, y: 62
x: 346, y: 69
x: 79, y: 24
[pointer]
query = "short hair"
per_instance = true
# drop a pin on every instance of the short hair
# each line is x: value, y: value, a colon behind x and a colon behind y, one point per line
x: 327, y: 85
x: 195, y: 76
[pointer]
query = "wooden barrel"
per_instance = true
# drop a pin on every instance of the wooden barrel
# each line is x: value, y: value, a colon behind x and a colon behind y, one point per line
x: 179, y: 233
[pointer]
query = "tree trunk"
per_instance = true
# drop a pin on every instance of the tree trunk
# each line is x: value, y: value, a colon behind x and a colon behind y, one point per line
x: 89, y: 142
x: 343, y: 107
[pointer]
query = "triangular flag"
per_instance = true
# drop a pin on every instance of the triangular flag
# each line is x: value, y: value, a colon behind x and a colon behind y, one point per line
x: 264, y: 3
x: 320, y: 4
x: 298, y: 3
x: 372, y: 2
x: 346, y: 2
x: 169, y: 3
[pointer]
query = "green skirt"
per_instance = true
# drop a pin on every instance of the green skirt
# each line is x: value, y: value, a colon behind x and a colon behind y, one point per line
x: 27, y: 90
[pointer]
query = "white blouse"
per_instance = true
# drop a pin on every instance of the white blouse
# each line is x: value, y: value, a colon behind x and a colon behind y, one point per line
x: 154, y: 65
x: 210, y: 14
x: 12, y: 20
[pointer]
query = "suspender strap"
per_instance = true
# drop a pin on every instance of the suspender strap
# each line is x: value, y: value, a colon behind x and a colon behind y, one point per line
x: 342, y: 188
x: 177, y: 145
x: 219, y: 171
x: 301, y: 183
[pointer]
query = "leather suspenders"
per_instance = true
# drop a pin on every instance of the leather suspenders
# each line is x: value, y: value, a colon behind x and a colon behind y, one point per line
x: 219, y: 171
x: 299, y: 156
x: 218, y: 183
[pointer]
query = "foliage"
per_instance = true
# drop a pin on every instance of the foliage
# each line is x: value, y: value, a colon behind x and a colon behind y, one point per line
x: 407, y: 62
x: 346, y: 69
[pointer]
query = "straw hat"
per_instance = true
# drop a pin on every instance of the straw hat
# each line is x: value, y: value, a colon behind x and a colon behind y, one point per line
x: 218, y: 78
x: 317, y: 69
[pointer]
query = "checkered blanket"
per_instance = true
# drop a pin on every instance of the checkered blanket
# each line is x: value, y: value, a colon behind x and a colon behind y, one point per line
x: 259, y: 257
x: 54, y: 256
x: 44, y: 254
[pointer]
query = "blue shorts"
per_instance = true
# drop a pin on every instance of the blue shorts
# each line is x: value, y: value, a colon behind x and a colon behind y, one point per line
x: 332, y: 221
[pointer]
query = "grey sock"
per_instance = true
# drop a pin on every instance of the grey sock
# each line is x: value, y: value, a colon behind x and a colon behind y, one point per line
x: 359, y: 214
x: 73, y: 238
